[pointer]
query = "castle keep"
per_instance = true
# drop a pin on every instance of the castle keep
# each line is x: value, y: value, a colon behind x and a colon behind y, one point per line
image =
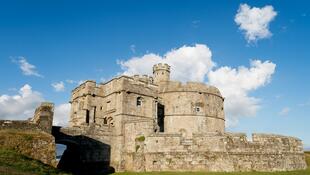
x: 154, y: 124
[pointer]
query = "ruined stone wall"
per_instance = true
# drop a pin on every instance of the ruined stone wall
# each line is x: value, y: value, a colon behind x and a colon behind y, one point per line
x: 19, y: 124
x: 43, y: 116
x: 218, y: 152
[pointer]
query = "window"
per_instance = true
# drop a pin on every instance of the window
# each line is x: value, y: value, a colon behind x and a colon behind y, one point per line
x: 87, y: 117
x: 105, y: 121
x: 139, y: 101
x: 197, y: 109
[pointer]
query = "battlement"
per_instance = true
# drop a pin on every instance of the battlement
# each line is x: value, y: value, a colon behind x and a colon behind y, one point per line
x: 161, y: 66
x: 143, y: 78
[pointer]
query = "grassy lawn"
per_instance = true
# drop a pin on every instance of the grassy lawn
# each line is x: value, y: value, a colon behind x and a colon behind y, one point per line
x: 303, y: 172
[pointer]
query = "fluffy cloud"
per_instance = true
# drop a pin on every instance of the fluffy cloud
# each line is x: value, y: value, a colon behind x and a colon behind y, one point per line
x: 27, y: 68
x: 194, y: 63
x: 21, y: 105
x: 235, y: 85
x: 255, y: 21
x: 188, y: 63
x: 61, y: 114
x: 58, y: 86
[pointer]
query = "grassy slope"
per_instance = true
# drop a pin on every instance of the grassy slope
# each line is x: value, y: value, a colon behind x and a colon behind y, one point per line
x: 14, y: 163
x: 302, y: 172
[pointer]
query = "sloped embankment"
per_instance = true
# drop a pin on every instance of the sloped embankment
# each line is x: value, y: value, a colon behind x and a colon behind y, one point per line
x: 15, y: 163
x: 34, y: 144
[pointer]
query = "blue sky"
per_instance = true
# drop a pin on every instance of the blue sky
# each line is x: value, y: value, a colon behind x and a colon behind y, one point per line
x: 79, y: 40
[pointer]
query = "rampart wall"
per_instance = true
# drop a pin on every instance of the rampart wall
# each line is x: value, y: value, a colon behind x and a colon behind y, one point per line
x: 216, y: 152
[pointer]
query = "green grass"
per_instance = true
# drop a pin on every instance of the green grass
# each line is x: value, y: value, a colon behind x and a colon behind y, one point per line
x: 301, y: 172
x: 14, y: 163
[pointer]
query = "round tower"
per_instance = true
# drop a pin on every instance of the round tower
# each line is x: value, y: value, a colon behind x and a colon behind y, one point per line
x: 161, y: 72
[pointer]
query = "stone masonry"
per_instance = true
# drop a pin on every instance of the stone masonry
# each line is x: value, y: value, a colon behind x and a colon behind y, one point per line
x: 155, y: 124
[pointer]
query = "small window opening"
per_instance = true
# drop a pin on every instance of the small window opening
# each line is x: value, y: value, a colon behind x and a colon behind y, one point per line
x: 94, y: 119
x: 139, y: 101
x: 87, y: 116
x: 197, y: 109
x: 105, y: 121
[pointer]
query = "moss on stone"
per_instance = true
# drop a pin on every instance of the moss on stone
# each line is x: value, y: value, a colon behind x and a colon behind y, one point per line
x: 140, y: 139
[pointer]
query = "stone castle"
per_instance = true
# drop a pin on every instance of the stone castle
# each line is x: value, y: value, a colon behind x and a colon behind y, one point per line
x: 155, y: 124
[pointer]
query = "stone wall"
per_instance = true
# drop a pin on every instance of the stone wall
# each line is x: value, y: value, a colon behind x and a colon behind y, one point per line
x: 217, y: 152
x: 192, y: 108
x: 146, y: 124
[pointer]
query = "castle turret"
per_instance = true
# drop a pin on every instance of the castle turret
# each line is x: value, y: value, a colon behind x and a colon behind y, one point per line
x: 161, y: 72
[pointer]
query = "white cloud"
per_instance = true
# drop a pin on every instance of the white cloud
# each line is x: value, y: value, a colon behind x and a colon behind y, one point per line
x: 20, y: 106
x: 255, y: 21
x: 27, y: 68
x: 61, y: 114
x: 58, y: 86
x: 188, y: 63
x: 284, y: 111
x: 235, y: 85
x: 194, y: 63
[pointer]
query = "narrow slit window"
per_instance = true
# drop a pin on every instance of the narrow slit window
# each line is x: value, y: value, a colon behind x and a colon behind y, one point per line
x: 139, y: 101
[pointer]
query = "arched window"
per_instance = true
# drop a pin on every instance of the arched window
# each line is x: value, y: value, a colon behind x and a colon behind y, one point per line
x: 139, y: 101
